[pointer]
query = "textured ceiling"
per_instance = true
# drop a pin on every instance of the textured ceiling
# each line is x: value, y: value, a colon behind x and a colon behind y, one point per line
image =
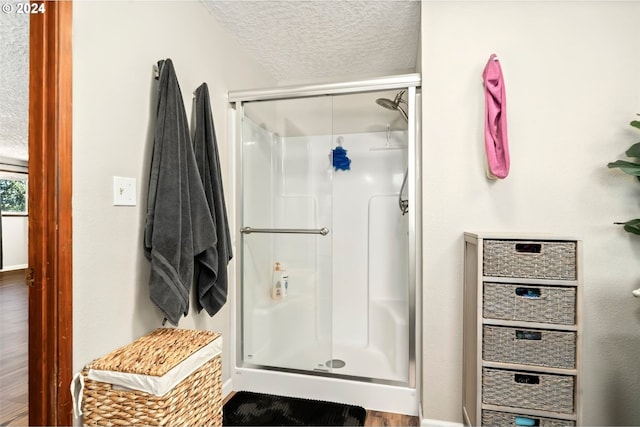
x: 295, y: 40
x: 319, y: 40
x: 14, y: 85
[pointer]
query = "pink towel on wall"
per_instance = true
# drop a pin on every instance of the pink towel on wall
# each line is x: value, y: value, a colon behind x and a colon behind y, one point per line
x: 495, y: 125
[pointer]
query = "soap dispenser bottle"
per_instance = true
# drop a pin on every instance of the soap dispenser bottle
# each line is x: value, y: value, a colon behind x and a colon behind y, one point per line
x: 276, y: 283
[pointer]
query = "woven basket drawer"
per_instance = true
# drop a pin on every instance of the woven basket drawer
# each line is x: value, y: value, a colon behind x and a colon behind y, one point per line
x: 553, y: 349
x: 530, y: 303
x: 529, y: 390
x: 530, y: 259
x: 506, y: 419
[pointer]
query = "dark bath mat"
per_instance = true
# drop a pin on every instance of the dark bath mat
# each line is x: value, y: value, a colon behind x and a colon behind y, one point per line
x: 256, y: 409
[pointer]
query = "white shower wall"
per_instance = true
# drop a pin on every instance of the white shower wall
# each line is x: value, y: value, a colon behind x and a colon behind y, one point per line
x: 370, y: 258
x: 348, y: 290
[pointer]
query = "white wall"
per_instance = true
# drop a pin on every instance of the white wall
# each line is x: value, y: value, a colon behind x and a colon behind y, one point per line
x: 15, y: 237
x: 573, y: 84
x: 115, y: 45
x: 572, y: 75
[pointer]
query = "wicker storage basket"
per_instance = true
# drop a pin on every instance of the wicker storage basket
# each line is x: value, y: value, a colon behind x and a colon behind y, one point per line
x: 531, y: 303
x: 195, y: 401
x: 540, y: 347
x: 506, y: 419
x: 530, y: 259
x: 529, y: 390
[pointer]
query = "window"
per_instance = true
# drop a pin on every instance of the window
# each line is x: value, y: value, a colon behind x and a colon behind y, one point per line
x: 13, y: 193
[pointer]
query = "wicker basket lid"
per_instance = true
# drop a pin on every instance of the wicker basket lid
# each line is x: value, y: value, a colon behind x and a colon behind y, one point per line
x: 155, y: 353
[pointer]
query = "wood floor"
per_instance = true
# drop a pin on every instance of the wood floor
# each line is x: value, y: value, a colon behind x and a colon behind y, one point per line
x: 376, y: 418
x: 14, y: 376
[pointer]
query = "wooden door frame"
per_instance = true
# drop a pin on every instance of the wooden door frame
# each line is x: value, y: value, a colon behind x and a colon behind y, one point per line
x: 50, y: 248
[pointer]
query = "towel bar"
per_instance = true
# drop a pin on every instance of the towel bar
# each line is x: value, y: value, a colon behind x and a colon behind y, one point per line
x: 323, y: 231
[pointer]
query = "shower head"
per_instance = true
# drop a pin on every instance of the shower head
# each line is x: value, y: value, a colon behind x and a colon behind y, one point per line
x: 386, y: 103
x: 389, y: 104
x: 395, y: 104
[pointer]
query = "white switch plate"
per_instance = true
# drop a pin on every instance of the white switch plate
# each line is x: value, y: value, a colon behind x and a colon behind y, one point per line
x: 124, y: 191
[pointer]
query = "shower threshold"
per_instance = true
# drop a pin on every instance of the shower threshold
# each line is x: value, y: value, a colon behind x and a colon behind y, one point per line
x: 316, y: 385
x: 367, y: 362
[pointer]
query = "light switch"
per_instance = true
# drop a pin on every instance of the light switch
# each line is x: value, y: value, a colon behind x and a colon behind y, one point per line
x: 124, y: 191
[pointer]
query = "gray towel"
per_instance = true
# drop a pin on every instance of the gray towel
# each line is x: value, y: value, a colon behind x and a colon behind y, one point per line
x: 211, y: 282
x: 178, y: 223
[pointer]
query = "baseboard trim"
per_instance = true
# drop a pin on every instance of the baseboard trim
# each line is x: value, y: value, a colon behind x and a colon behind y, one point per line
x: 425, y: 422
x: 14, y: 268
x: 227, y: 388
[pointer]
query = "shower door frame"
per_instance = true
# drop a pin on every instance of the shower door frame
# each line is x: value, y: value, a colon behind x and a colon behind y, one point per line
x: 412, y: 83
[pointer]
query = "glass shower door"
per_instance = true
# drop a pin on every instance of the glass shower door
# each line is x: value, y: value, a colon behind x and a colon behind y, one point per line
x: 286, y: 233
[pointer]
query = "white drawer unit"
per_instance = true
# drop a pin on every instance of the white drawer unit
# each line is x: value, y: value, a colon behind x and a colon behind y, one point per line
x: 522, y: 330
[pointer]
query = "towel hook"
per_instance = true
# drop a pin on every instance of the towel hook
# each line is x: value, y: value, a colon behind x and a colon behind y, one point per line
x: 157, y: 68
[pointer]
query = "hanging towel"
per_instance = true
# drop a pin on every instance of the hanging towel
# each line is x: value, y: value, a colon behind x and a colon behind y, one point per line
x: 495, y: 125
x: 211, y: 276
x: 178, y: 224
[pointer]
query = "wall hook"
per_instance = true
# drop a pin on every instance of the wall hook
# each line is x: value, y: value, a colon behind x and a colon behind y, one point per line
x: 157, y: 68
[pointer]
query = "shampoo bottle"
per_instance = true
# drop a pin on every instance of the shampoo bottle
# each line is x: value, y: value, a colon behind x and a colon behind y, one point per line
x: 276, y: 283
x: 285, y: 282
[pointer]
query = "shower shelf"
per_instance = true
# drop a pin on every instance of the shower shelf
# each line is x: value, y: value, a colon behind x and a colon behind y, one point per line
x: 397, y: 309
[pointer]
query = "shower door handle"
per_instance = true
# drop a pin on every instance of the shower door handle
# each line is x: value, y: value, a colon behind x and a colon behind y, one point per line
x: 323, y: 231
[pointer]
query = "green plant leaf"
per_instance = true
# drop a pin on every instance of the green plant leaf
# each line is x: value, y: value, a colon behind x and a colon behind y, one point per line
x: 630, y: 168
x: 632, y: 226
x: 635, y: 124
x: 634, y: 150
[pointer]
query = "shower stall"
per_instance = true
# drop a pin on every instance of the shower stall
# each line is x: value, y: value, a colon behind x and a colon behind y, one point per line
x: 328, y: 231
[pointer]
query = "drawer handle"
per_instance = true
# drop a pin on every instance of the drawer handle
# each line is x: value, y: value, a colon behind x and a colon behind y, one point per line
x: 525, y: 421
x: 528, y: 248
x: 527, y: 379
x: 529, y: 335
x: 528, y: 292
